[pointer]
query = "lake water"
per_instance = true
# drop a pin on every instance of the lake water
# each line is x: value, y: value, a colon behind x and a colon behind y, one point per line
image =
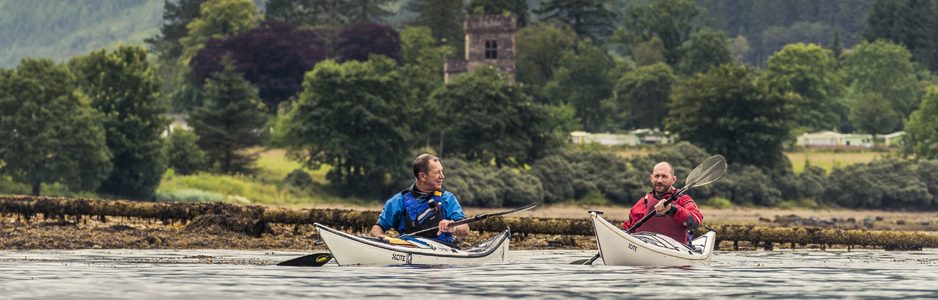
x: 223, y: 274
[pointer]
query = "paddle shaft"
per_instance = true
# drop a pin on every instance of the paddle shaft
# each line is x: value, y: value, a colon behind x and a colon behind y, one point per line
x: 474, y: 218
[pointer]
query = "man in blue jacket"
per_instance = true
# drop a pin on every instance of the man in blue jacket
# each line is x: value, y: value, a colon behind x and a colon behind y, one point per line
x: 423, y: 205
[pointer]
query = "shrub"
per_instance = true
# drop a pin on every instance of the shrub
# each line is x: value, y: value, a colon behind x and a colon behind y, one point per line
x: 182, y: 153
x: 299, y: 178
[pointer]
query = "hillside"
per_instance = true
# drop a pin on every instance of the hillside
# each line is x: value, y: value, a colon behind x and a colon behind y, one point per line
x: 61, y: 29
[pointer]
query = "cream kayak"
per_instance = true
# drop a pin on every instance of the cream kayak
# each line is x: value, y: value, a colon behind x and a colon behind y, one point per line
x: 351, y: 250
x: 648, y: 249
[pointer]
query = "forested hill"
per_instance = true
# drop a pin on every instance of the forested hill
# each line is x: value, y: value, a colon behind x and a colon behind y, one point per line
x: 60, y: 29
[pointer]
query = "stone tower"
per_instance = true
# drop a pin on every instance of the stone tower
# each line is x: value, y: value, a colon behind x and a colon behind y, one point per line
x: 490, y: 40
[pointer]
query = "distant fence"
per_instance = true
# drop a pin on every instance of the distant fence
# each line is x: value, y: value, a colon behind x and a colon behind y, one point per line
x: 29, y: 207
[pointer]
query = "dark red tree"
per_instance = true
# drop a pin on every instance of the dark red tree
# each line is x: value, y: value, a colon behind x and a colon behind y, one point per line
x: 273, y: 57
x: 358, y: 41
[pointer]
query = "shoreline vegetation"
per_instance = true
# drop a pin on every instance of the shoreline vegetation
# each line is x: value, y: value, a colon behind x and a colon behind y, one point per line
x: 28, y: 222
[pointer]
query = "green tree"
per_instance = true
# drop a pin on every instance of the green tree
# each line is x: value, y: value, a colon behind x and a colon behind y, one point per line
x: 584, y: 80
x: 642, y: 96
x: 421, y: 74
x: 489, y: 119
x: 348, y: 117
x: 922, y: 127
x: 810, y: 72
x: 727, y: 111
x: 706, y: 48
x: 871, y: 113
x: 648, y: 52
x: 591, y: 18
x: 540, y: 50
x: 176, y: 16
x: 231, y: 120
x: 49, y: 131
x: 672, y: 21
x: 182, y: 151
x: 517, y: 9
x: 884, y: 69
x: 327, y: 12
x: 122, y: 87
x: 910, y: 23
x: 218, y: 19
x: 444, y: 18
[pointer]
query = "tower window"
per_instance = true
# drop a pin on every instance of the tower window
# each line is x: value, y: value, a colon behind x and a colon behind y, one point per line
x: 491, y: 49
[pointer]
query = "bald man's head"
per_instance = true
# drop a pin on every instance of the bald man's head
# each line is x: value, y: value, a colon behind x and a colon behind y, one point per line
x: 662, y: 177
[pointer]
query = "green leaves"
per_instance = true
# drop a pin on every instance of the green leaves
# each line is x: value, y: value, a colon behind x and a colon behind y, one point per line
x: 50, y: 132
x: 487, y: 118
x: 811, y: 73
x: 349, y: 116
x: 231, y: 120
x: 922, y: 127
x: 728, y: 111
x: 122, y: 87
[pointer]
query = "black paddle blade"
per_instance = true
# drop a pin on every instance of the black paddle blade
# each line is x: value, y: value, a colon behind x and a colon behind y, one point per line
x: 710, y: 170
x: 312, y: 260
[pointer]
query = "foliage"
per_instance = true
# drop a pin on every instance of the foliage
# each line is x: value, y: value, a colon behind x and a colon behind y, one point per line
x: 121, y: 85
x: 327, y: 12
x: 746, y: 184
x: 489, y: 119
x: 885, y: 70
x: 922, y: 127
x: 182, y: 152
x: 359, y: 41
x: 444, y: 18
x: 671, y: 21
x: 517, y: 9
x: 577, y: 174
x: 50, y: 132
x: 217, y: 19
x: 274, y: 56
x: 176, y: 16
x: 642, y: 96
x: 584, y: 80
x: 588, y: 18
x: 770, y: 25
x: 883, y: 184
x: 809, y: 184
x: 299, y: 178
x: 349, y: 129
x: 870, y: 112
x: 728, y: 111
x: 810, y: 72
x: 540, y: 50
x: 231, y: 120
x: 705, y: 48
x: 910, y: 23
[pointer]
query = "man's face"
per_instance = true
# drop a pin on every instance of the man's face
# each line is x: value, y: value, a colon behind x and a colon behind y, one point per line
x: 434, y: 176
x: 661, y: 179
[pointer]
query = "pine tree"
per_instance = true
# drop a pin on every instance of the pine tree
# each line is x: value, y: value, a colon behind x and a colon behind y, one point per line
x: 587, y: 17
x: 443, y: 17
x: 231, y: 120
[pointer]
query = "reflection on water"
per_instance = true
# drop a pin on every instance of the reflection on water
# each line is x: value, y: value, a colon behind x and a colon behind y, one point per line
x: 217, y: 274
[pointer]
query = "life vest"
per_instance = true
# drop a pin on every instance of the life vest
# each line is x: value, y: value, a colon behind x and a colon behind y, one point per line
x: 662, y: 223
x: 423, y: 213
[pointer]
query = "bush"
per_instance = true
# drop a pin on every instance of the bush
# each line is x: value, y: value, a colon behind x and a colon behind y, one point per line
x: 299, y: 178
x: 887, y: 183
x: 747, y: 185
x: 182, y: 153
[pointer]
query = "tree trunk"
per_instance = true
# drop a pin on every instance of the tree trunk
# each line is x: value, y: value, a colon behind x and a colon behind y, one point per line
x: 36, y: 187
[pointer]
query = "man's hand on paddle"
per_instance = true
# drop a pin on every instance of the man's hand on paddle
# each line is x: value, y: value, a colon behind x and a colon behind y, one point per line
x: 443, y: 227
x: 662, y: 209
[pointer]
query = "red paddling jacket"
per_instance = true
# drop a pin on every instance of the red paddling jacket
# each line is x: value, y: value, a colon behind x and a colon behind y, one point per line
x: 683, y: 216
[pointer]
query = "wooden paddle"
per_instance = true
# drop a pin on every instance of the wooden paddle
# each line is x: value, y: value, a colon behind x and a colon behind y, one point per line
x: 710, y: 170
x: 320, y: 259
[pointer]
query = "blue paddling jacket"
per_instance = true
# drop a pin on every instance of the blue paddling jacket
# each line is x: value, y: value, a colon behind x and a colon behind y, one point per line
x: 408, y: 213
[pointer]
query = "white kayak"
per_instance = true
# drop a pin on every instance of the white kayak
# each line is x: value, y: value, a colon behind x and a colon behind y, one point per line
x: 351, y: 250
x: 618, y: 248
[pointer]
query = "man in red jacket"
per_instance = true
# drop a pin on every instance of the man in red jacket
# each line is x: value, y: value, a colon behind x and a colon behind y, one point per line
x: 674, y: 219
